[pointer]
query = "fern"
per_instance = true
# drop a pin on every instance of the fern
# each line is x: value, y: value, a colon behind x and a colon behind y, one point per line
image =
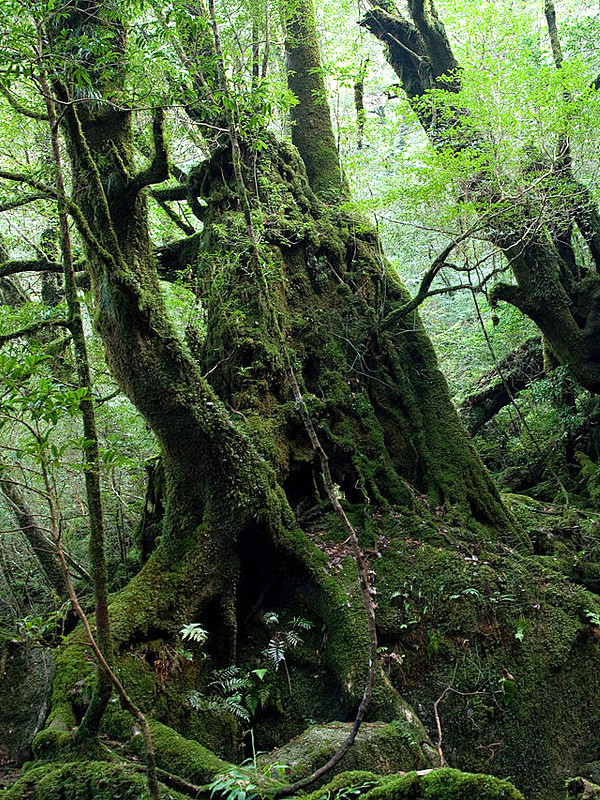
x: 276, y: 652
x: 303, y: 624
x: 232, y: 704
x: 292, y: 638
x: 194, y: 632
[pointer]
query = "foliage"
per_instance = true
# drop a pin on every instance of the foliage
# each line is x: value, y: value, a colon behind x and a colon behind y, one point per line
x: 243, y: 691
x: 194, y: 632
x: 421, y: 197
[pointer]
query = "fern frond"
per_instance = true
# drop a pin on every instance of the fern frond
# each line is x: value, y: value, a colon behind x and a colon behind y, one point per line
x: 194, y: 632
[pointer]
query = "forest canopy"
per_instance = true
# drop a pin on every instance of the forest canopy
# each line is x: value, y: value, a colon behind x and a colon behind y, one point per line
x: 300, y: 365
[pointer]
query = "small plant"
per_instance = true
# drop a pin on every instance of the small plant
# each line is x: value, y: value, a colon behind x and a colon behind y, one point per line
x: 235, y: 784
x: 523, y: 625
x: 194, y: 632
x: 38, y: 628
x: 593, y: 617
x: 246, y: 781
x: 348, y: 792
x: 433, y: 645
x: 407, y: 595
x: 284, y: 639
x: 241, y: 692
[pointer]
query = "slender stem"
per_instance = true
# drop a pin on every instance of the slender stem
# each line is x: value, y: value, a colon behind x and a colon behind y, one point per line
x: 267, y: 50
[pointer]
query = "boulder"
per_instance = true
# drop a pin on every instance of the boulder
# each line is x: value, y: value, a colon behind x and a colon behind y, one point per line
x: 379, y: 747
x: 25, y: 676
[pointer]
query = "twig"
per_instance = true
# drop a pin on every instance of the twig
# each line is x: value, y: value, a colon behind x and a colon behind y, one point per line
x: 438, y: 725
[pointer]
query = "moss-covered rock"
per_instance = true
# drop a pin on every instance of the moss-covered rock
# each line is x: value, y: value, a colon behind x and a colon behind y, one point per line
x: 379, y: 747
x: 90, y: 780
x: 506, y: 643
x: 25, y: 674
x: 439, y: 784
x: 173, y: 752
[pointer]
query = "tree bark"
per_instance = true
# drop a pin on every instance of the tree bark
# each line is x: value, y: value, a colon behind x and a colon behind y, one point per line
x: 43, y: 547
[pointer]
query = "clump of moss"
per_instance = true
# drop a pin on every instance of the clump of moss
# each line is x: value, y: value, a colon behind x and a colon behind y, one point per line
x: 439, y: 784
x: 90, y: 780
x: 515, y: 642
x: 174, y: 753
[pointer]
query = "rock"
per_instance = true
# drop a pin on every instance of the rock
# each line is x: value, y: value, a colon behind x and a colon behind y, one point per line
x: 25, y: 676
x: 580, y: 789
x: 380, y: 747
x: 431, y: 784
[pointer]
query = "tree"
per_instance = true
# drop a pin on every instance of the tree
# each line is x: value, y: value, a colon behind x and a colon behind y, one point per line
x: 304, y: 331
x: 550, y: 214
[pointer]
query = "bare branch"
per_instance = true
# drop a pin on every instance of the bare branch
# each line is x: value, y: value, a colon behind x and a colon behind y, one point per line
x: 438, y: 264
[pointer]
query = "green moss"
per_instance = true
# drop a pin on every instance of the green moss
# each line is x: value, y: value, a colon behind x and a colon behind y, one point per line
x: 74, y: 679
x: 92, y: 780
x: 346, y: 780
x: 174, y: 753
x: 510, y: 633
x: 185, y: 757
x: 378, y: 747
x: 440, y: 784
x: 445, y: 784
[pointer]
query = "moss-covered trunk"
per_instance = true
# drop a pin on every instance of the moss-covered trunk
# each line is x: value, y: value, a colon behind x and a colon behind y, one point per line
x: 236, y: 459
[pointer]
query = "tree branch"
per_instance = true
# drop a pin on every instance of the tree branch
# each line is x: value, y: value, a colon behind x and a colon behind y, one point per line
x: 428, y: 279
x: 174, y: 217
x: 21, y: 177
x: 26, y: 265
x: 30, y: 330
x: 158, y: 171
x: 17, y: 202
x: 439, y: 51
x: 491, y: 393
x: 405, y: 47
x: 509, y: 293
x: 26, y: 112
x: 170, y: 193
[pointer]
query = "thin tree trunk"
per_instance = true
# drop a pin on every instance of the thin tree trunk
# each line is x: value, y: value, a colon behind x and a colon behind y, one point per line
x: 91, y: 721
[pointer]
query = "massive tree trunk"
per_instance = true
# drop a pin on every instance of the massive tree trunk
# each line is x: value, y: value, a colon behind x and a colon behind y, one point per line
x: 236, y: 459
x: 300, y: 286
